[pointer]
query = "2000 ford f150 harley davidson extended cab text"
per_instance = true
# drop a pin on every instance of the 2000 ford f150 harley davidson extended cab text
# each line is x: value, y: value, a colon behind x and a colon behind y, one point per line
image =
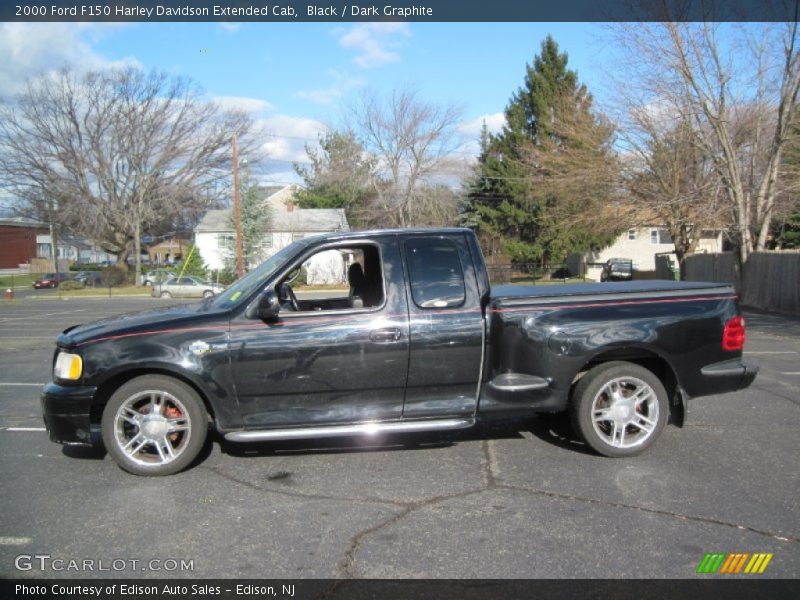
x: 420, y: 343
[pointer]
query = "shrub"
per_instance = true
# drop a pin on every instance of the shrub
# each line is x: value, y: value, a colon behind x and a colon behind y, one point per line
x: 225, y: 277
x: 113, y: 276
x: 71, y: 285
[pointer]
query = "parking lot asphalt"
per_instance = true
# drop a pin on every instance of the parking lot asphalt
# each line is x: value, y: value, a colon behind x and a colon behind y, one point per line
x: 519, y: 501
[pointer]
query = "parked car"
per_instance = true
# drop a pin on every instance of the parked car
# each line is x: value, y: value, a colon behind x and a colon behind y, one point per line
x: 50, y: 280
x: 617, y: 269
x: 158, y: 276
x: 185, y: 287
x: 89, y: 278
x: 420, y: 343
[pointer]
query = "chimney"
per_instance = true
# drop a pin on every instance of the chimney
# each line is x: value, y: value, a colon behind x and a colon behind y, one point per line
x: 289, y: 206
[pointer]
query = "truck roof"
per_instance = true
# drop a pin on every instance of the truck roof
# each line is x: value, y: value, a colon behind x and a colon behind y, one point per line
x: 335, y: 235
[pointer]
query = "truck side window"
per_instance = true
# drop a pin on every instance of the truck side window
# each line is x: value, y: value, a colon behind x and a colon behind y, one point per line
x: 434, y: 270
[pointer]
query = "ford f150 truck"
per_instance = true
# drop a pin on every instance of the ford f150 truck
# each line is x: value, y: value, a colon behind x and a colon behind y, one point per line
x: 420, y: 342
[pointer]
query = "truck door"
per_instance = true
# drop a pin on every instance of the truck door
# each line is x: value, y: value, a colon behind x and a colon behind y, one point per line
x: 331, y: 356
x: 446, y: 327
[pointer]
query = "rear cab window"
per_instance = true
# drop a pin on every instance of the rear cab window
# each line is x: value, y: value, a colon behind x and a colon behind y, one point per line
x: 435, y: 273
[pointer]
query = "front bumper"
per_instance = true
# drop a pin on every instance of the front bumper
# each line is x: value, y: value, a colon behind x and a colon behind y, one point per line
x: 67, y: 413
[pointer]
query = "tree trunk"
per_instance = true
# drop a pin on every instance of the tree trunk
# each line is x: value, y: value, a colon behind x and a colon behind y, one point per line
x: 54, y: 246
x: 137, y: 244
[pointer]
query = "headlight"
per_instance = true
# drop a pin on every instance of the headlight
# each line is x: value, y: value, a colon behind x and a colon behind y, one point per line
x: 68, y: 366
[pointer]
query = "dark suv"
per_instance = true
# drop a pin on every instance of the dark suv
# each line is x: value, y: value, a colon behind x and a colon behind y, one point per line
x: 617, y: 269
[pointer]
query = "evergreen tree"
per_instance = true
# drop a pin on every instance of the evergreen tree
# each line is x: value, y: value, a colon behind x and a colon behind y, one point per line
x: 255, y: 218
x: 523, y: 201
x: 194, y: 264
x: 340, y: 175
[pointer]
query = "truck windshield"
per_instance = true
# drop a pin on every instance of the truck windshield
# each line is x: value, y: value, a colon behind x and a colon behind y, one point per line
x: 248, y: 284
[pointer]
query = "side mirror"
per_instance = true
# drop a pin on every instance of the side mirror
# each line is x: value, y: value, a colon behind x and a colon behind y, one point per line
x: 265, y: 307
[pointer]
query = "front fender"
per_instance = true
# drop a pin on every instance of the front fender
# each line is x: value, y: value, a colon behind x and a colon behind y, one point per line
x: 203, y: 363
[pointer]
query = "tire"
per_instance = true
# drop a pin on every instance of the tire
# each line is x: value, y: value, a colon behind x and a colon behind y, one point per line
x: 609, y: 419
x: 165, y: 295
x: 208, y: 294
x: 154, y: 425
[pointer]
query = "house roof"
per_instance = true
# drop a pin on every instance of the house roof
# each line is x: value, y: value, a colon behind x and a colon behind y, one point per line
x: 19, y: 222
x: 305, y: 220
x: 635, y: 214
x: 310, y: 219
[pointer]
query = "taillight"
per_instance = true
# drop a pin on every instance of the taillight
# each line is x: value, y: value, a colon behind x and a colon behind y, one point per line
x: 733, y: 336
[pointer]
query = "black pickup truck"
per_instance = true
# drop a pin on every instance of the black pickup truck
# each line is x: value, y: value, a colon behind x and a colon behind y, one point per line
x: 420, y: 342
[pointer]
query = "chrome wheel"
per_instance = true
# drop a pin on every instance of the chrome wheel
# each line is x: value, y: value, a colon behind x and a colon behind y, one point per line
x: 619, y: 408
x: 152, y: 428
x: 625, y: 412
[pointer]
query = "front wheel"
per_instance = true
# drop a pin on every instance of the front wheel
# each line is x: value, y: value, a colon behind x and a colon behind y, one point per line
x: 208, y: 294
x: 166, y: 295
x: 154, y: 425
x: 619, y: 408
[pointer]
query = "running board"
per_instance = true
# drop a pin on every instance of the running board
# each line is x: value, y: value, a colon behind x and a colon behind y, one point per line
x: 347, y: 430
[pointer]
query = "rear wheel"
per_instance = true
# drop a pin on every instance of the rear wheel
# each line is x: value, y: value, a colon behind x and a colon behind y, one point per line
x: 619, y: 408
x: 208, y: 294
x: 154, y: 425
x: 166, y: 295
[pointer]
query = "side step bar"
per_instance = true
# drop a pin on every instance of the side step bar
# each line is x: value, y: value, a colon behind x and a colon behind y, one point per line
x: 373, y: 428
x: 518, y: 382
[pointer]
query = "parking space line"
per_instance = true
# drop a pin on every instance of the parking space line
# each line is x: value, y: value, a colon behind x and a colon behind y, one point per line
x: 790, y: 372
x: 23, y: 384
x: 17, y: 318
x: 771, y: 352
x: 25, y: 429
x: 14, y: 541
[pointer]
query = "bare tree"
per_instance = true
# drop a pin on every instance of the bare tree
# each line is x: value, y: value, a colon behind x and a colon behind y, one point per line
x: 412, y: 142
x: 113, y: 152
x: 670, y: 177
x: 738, y: 84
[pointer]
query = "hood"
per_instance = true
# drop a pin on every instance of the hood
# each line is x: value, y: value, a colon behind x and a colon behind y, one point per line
x: 138, y: 322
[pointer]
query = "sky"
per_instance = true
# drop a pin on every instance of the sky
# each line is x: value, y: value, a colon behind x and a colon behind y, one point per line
x: 296, y: 77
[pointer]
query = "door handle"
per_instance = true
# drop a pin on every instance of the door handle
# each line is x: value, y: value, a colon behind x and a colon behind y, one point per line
x: 385, y: 336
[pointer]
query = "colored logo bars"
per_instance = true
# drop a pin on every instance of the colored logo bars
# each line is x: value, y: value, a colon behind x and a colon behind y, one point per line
x: 734, y: 563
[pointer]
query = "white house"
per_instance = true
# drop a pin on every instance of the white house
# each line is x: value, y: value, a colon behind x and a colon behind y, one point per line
x: 215, y: 237
x: 73, y: 248
x: 641, y: 245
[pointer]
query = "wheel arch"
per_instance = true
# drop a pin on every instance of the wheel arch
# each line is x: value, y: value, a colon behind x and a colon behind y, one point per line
x: 653, y: 361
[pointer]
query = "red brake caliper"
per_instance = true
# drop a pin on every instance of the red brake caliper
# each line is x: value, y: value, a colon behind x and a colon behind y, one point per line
x: 172, y: 412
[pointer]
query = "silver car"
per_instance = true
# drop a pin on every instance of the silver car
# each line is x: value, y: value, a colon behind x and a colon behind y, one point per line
x: 185, y: 287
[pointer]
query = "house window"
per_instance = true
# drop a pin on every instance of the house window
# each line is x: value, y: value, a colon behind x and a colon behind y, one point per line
x: 225, y: 241
x: 43, y: 250
x: 660, y: 236
x: 631, y: 234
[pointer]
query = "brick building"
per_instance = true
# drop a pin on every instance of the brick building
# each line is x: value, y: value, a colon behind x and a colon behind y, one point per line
x: 18, y: 241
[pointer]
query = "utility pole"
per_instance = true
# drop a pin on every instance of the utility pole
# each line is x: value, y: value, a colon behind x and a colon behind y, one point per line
x: 237, y: 211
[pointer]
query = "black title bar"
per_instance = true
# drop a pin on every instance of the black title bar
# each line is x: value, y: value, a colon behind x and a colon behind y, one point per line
x: 733, y: 588
x: 400, y: 10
